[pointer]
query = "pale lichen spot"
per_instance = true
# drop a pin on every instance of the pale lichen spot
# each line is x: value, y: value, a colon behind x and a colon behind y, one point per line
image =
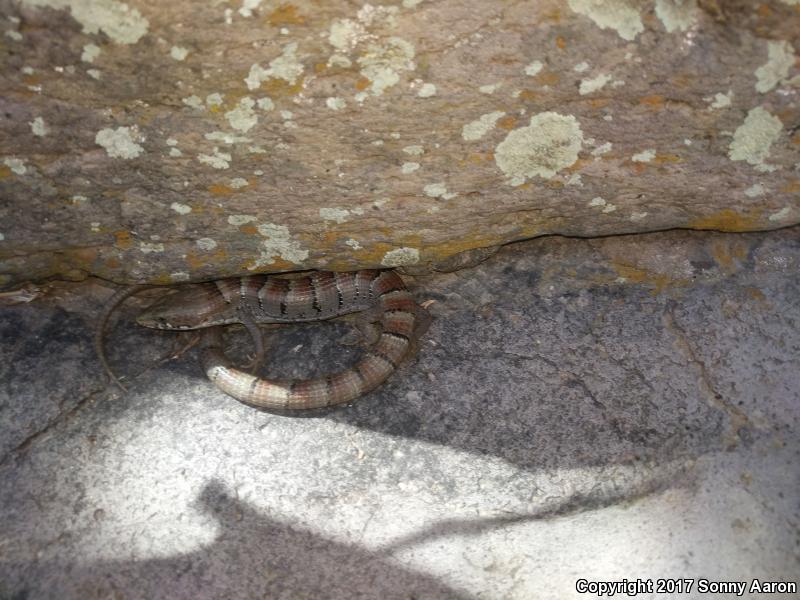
x: 597, y: 201
x: 278, y: 244
x: 214, y: 99
x: 150, y: 247
x: 755, y: 190
x: 382, y: 63
x: 411, y: 3
x: 353, y: 244
x: 14, y: 35
x: 427, y: 90
x: 335, y: 103
x: 238, y: 183
x: 781, y: 214
x: 638, y: 216
x: 121, y: 23
x: 581, y: 67
x: 17, y: 165
x: 780, y: 58
x: 345, y: 34
x: 178, y: 53
x: 720, y: 100
x: 239, y: 220
x: 644, y: 156
x: 248, y: 6
x: 226, y: 138
x: 181, y: 209
x: 602, y: 149
x: 206, y: 244
x: 534, y: 68
x: 90, y: 52
x: 265, y: 103
x: 753, y: 138
x: 475, y: 130
x: 489, y: 88
x: 609, y: 208
x: 286, y: 67
x: 588, y: 86
x: 400, y: 256
x: 438, y: 190
x: 620, y: 15
x: 193, y: 101
x: 179, y: 276
x: 414, y: 150
x: 120, y: 142
x: 677, y: 14
x: 549, y: 143
x: 218, y: 160
x: 409, y: 167
x: 94, y: 73
x: 38, y: 127
x: 175, y: 153
x: 339, y: 60
x: 243, y: 118
x: 337, y: 214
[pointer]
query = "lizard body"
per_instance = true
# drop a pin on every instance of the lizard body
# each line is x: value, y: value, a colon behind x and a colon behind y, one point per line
x: 270, y: 299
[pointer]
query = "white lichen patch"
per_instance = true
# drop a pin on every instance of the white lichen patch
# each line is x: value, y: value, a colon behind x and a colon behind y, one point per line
x: 353, y: 244
x: 409, y: 167
x: 278, y: 244
x: 781, y: 214
x: 414, y: 150
x: 620, y: 15
x: 181, y: 209
x: 720, y: 100
x: 638, y: 216
x: 400, y: 256
x: 597, y: 201
x: 218, y: 160
x: 336, y: 213
x: 755, y: 190
x: 581, y: 67
x: 39, y: 127
x: 345, y: 34
x: 602, y: 149
x: 588, y: 86
x: 438, y: 190
x: 94, y: 73
x: 609, y: 208
x: 490, y: 88
x: 90, y: 52
x: 243, y: 118
x: 644, y: 156
x: 677, y: 14
x: 426, y: 90
x: 150, y: 247
x: 120, y: 142
x: 753, y: 138
x: 550, y: 142
x: 265, y: 103
x: 238, y: 183
x: 17, y: 165
x: 179, y: 53
x: 286, y: 67
x: 193, y: 101
x: 206, y: 244
x: 534, y: 68
x: 179, y: 276
x: 248, y: 6
x: 335, y: 103
x: 475, y: 130
x: 14, y: 35
x: 214, y: 99
x: 121, y: 23
x: 780, y: 58
x: 382, y: 63
x: 226, y: 138
x: 239, y: 220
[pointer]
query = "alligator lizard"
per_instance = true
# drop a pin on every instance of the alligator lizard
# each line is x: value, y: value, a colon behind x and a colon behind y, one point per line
x: 270, y: 299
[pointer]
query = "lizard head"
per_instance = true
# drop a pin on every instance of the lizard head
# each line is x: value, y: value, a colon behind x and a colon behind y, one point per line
x: 191, y: 307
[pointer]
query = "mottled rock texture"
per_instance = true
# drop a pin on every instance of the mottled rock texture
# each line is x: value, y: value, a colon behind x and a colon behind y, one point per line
x: 164, y: 142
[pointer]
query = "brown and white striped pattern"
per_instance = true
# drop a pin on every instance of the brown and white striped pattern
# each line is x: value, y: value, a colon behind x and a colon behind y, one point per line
x: 322, y: 295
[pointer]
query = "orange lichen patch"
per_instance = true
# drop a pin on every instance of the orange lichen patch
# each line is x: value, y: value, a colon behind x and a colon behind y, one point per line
x: 662, y: 159
x: 796, y: 139
x: 215, y: 108
x: 198, y: 259
x: 552, y: 15
x: 528, y: 95
x: 162, y: 279
x: 729, y: 220
x: 561, y: 43
x: 599, y: 102
x: 655, y: 101
x: 4, y: 172
x: 547, y: 78
x: 792, y: 187
x: 554, y: 184
x: 248, y: 229
x: 659, y: 281
x: 276, y: 266
x: 638, y: 167
x: 285, y: 14
x: 280, y: 87
x: 113, y: 263
x: 362, y: 84
x: 220, y: 190
x: 756, y: 294
x: 729, y: 254
x: 320, y: 67
x: 123, y: 239
x: 508, y: 122
x: 681, y: 81
x: 764, y: 11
